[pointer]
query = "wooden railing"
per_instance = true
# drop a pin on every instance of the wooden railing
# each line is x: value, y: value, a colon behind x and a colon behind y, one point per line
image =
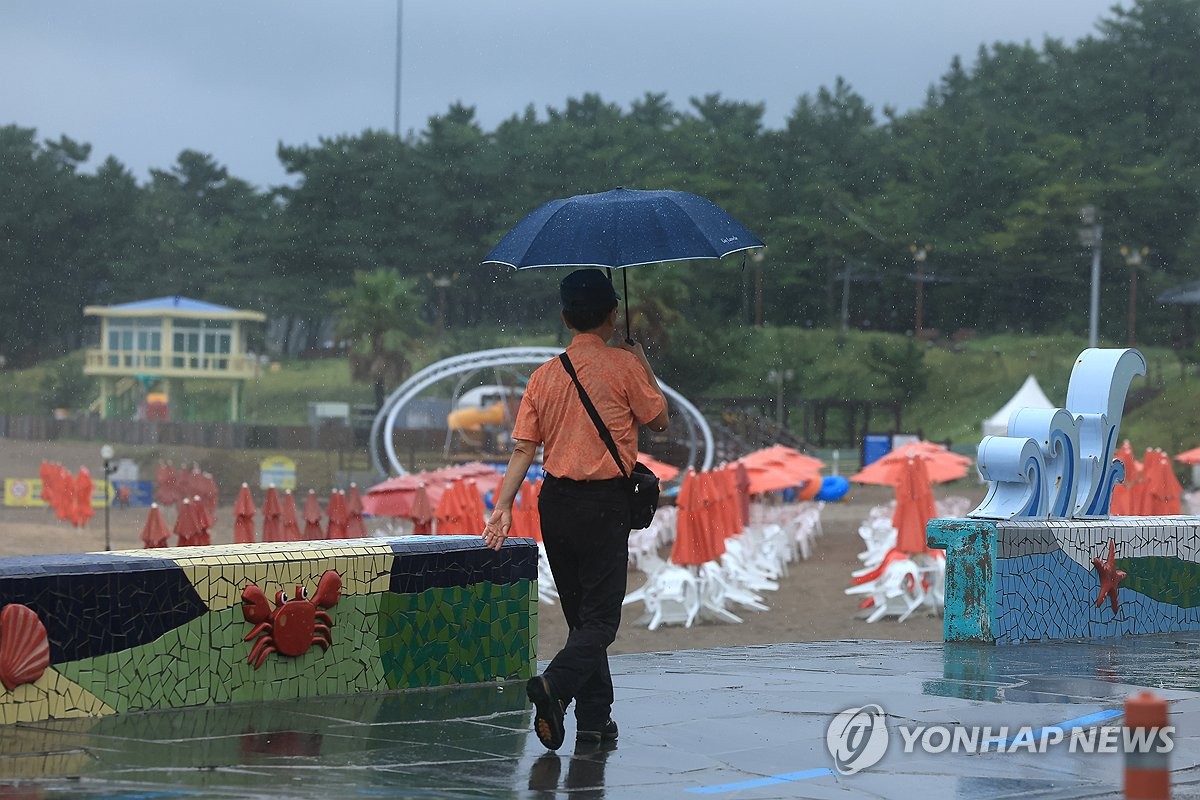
x: 170, y: 364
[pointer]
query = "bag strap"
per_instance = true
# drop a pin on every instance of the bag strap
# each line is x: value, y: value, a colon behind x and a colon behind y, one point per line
x: 601, y: 428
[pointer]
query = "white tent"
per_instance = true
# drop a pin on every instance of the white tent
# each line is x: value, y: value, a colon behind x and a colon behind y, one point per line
x: 1030, y: 395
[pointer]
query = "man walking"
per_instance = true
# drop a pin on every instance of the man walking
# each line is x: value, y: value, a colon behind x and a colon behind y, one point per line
x: 584, y: 501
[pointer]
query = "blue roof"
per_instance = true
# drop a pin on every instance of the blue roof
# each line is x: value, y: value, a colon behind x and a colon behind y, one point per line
x: 175, y: 303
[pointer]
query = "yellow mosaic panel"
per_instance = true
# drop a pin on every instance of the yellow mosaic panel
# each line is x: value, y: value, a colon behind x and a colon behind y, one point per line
x: 221, y: 572
x: 51, y: 696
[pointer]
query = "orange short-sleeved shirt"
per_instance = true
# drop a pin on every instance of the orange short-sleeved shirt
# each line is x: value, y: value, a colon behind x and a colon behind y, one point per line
x: 552, y: 414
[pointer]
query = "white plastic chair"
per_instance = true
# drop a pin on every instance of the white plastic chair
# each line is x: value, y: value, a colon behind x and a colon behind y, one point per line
x: 672, y: 597
x: 547, y: 591
x: 719, y: 590
x: 897, y: 592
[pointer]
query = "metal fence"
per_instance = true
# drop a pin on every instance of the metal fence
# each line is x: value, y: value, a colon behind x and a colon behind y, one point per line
x: 215, y: 435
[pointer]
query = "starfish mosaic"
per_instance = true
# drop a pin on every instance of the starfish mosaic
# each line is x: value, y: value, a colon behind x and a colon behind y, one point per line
x: 1110, y: 576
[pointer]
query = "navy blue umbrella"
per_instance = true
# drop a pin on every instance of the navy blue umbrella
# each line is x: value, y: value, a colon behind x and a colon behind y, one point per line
x: 622, y: 228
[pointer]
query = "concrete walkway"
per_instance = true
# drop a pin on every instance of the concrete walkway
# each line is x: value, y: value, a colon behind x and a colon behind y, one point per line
x: 745, y: 722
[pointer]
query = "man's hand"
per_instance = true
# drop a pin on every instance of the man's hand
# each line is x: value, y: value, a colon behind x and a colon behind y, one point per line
x: 497, y: 527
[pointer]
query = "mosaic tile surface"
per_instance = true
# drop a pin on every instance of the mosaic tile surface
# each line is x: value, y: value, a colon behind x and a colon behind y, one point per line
x: 166, y: 628
x: 1040, y: 583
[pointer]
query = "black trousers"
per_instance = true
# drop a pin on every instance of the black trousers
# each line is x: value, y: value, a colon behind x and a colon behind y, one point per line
x: 585, y: 527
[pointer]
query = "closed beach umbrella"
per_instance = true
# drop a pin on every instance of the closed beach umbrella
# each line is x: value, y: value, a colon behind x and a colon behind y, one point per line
x: 914, y: 507
x: 312, y: 517
x: 154, y: 532
x: 422, y: 511
x: 337, y: 514
x: 272, y: 530
x: 185, y: 524
x: 290, y: 519
x: 204, y: 523
x: 83, y: 498
x: 355, y: 527
x: 243, y: 516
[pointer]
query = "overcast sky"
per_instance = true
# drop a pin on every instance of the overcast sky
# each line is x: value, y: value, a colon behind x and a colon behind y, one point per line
x: 144, y: 79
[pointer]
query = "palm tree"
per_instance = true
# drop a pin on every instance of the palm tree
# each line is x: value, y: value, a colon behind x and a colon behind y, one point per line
x: 379, y: 314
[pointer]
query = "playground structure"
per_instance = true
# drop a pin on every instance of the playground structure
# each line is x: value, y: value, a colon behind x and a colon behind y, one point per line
x: 383, y: 450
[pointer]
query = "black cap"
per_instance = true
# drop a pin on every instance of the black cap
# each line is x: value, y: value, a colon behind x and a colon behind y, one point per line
x: 587, y: 289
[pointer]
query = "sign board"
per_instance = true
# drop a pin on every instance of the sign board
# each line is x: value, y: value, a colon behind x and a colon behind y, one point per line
x: 277, y: 471
x: 875, y: 446
x: 140, y: 493
x: 901, y: 439
x: 27, y: 493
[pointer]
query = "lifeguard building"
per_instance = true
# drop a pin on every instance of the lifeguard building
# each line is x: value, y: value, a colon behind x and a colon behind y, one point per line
x: 149, y: 345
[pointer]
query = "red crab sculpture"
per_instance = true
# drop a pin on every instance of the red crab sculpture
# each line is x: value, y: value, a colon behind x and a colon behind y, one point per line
x: 295, y: 624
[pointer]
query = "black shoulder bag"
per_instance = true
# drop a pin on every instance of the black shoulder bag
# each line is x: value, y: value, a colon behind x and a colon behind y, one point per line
x: 643, y: 484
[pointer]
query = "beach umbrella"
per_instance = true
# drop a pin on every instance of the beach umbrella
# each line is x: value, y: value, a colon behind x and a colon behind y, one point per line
x: 165, y: 484
x: 185, y: 524
x: 622, y: 228
x: 1122, y: 502
x: 204, y: 523
x: 941, y: 465
x: 337, y: 514
x: 914, y: 506
x: 243, y: 516
x: 1163, y: 487
x: 698, y: 535
x: 62, y: 493
x: 742, y: 483
x: 526, y: 521
x: 1191, y: 457
x: 272, y: 529
x: 422, y: 511
x: 209, y: 494
x: 716, y: 517
x: 289, y: 518
x: 46, y: 474
x: 446, y: 513
x: 154, y: 532
x: 355, y: 527
x: 779, y: 467
x: 312, y: 517
x: 475, y: 512
x: 83, y: 498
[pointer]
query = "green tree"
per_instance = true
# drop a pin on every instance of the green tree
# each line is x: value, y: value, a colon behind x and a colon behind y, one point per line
x: 378, y: 315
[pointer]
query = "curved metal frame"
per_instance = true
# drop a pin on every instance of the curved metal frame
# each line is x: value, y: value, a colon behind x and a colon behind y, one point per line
x: 385, y: 420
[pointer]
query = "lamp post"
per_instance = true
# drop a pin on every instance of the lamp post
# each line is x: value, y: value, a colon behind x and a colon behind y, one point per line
x: 779, y: 377
x: 1090, y: 235
x: 920, y: 254
x: 106, y: 453
x: 1133, y: 260
x: 757, y: 258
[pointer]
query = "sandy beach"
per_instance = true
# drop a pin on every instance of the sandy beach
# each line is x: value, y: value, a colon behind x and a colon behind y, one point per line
x: 810, y: 604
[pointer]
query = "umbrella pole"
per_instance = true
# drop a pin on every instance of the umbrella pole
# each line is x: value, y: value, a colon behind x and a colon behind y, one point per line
x: 625, y: 290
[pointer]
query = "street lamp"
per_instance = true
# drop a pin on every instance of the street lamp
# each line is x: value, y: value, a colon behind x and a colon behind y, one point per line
x: 1133, y: 259
x: 1090, y: 236
x: 779, y: 377
x: 106, y: 453
x: 757, y: 258
x: 920, y: 254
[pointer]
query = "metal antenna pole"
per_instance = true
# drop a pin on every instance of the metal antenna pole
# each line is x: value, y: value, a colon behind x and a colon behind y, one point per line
x: 1094, y: 306
x: 399, y: 31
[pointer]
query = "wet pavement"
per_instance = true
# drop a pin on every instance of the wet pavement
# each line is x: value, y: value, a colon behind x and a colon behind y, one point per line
x: 746, y: 722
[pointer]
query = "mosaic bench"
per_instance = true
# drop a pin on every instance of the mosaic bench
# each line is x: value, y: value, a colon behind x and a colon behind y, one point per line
x: 105, y: 633
x: 1016, y: 581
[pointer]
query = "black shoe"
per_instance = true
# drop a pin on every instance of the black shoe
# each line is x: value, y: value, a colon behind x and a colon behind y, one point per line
x: 548, y: 719
x: 607, y: 732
